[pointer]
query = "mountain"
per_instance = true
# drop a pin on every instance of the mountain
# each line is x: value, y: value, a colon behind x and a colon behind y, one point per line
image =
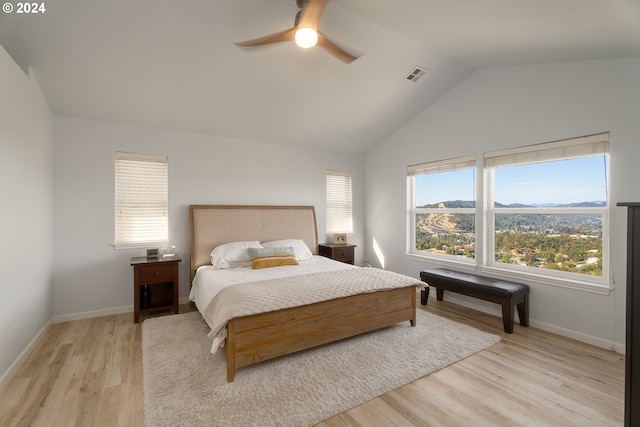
x: 457, y: 204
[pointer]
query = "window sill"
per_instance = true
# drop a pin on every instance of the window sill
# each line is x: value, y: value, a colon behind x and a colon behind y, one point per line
x: 458, y: 263
x: 143, y: 245
x: 512, y: 275
x: 529, y: 277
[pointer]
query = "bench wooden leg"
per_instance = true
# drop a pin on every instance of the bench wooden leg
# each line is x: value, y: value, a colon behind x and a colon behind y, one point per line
x: 507, y: 315
x: 439, y: 294
x: 424, y: 296
x: 523, y: 311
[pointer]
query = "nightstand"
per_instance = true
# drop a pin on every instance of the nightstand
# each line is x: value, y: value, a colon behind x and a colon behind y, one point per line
x: 344, y: 253
x: 155, y: 284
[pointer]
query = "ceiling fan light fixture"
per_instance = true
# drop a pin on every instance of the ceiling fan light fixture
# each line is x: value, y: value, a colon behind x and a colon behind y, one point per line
x: 305, y: 32
x: 306, y: 37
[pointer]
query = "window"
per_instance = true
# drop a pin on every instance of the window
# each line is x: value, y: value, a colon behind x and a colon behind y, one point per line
x: 543, y: 212
x: 141, y: 203
x: 339, y: 217
x: 443, y: 208
x: 548, y: 207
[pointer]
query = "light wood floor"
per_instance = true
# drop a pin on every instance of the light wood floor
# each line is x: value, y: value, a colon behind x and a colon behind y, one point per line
x: 89, y: 373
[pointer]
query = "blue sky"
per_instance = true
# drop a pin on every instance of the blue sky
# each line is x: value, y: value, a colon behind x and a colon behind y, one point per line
x: 565, y: 181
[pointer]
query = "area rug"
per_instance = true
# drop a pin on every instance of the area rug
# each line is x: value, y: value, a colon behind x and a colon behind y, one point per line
x: 185, y: 385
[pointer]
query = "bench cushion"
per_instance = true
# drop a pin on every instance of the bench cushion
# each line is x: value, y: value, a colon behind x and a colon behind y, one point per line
x: 489, y: 286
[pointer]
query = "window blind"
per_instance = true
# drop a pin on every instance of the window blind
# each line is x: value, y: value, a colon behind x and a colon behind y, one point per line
x: 442, y: 166
x: 585, y: 146
x: 339, y: 219
x: 141, y: 205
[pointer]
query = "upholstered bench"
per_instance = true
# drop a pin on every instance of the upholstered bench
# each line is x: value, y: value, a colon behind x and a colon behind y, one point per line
x: 501, y: 292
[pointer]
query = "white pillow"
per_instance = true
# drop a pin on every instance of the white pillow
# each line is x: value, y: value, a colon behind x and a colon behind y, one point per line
x: 300, y: 248
x: 232, y: 254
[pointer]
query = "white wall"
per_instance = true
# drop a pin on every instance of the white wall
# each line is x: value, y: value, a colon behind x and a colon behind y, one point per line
x: 508, y: 107
x: 25, y: 211
x: 90, y: 277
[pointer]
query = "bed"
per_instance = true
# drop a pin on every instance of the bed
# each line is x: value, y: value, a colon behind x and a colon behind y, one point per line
x: 268, y: 333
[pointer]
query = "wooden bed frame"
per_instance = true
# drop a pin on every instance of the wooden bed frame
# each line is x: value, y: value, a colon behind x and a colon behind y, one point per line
x: 252, y: 339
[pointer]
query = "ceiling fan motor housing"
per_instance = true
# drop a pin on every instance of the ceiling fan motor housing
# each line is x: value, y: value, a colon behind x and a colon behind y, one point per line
x: 302, y: 3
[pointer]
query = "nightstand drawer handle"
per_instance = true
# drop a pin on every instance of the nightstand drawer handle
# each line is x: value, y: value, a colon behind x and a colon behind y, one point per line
x: 157, y: 273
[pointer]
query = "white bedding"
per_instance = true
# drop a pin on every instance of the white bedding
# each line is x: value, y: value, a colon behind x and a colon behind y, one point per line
x: 270, y: 289
x: 209, y: 281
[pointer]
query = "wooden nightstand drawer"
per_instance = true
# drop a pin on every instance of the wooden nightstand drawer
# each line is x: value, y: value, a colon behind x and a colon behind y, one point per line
x: 343, y: 253
x: 156, y: 273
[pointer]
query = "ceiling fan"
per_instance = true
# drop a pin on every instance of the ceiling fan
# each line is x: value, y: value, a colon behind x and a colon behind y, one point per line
x: 305, y: 31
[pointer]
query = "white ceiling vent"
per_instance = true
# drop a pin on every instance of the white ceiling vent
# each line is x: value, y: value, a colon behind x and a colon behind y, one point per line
x: 416, y: 74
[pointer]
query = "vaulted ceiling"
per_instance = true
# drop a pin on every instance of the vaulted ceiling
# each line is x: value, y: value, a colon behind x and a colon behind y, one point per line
x: 174, y: 65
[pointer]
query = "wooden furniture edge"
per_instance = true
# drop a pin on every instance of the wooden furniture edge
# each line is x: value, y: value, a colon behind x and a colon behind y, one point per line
x: 252, y: 339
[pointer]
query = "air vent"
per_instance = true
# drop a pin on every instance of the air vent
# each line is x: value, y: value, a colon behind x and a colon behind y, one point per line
x: 416, y: 74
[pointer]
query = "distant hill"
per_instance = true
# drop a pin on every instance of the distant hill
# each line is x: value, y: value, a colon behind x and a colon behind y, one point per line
x: 588, y: 205
x: 452, y: 204
x: 457, y: 204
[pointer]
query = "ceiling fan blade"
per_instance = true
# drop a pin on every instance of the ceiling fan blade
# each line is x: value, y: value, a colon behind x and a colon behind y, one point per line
x: 334, y: 49
x: 282, y: 36
x: 312, y: 13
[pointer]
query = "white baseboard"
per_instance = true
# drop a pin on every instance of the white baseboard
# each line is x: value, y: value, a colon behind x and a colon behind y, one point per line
x: 568, y: 333
x: 99, y: 313
x: 90, y: 314
x: 10, y: 372
x: 579, y: 336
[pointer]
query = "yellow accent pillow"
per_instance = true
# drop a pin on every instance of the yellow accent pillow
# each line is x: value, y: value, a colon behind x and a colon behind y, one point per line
x: 273, y: 261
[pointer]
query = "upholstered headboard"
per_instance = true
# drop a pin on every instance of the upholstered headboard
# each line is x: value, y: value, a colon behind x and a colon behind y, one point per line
x: 213, y: 225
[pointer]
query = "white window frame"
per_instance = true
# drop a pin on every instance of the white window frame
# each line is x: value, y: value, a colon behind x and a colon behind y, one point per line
x: 574, y: 148
x: 141, y: 183
x: 458, y: 163
x: 339, y: 197
x: 485, y: 212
